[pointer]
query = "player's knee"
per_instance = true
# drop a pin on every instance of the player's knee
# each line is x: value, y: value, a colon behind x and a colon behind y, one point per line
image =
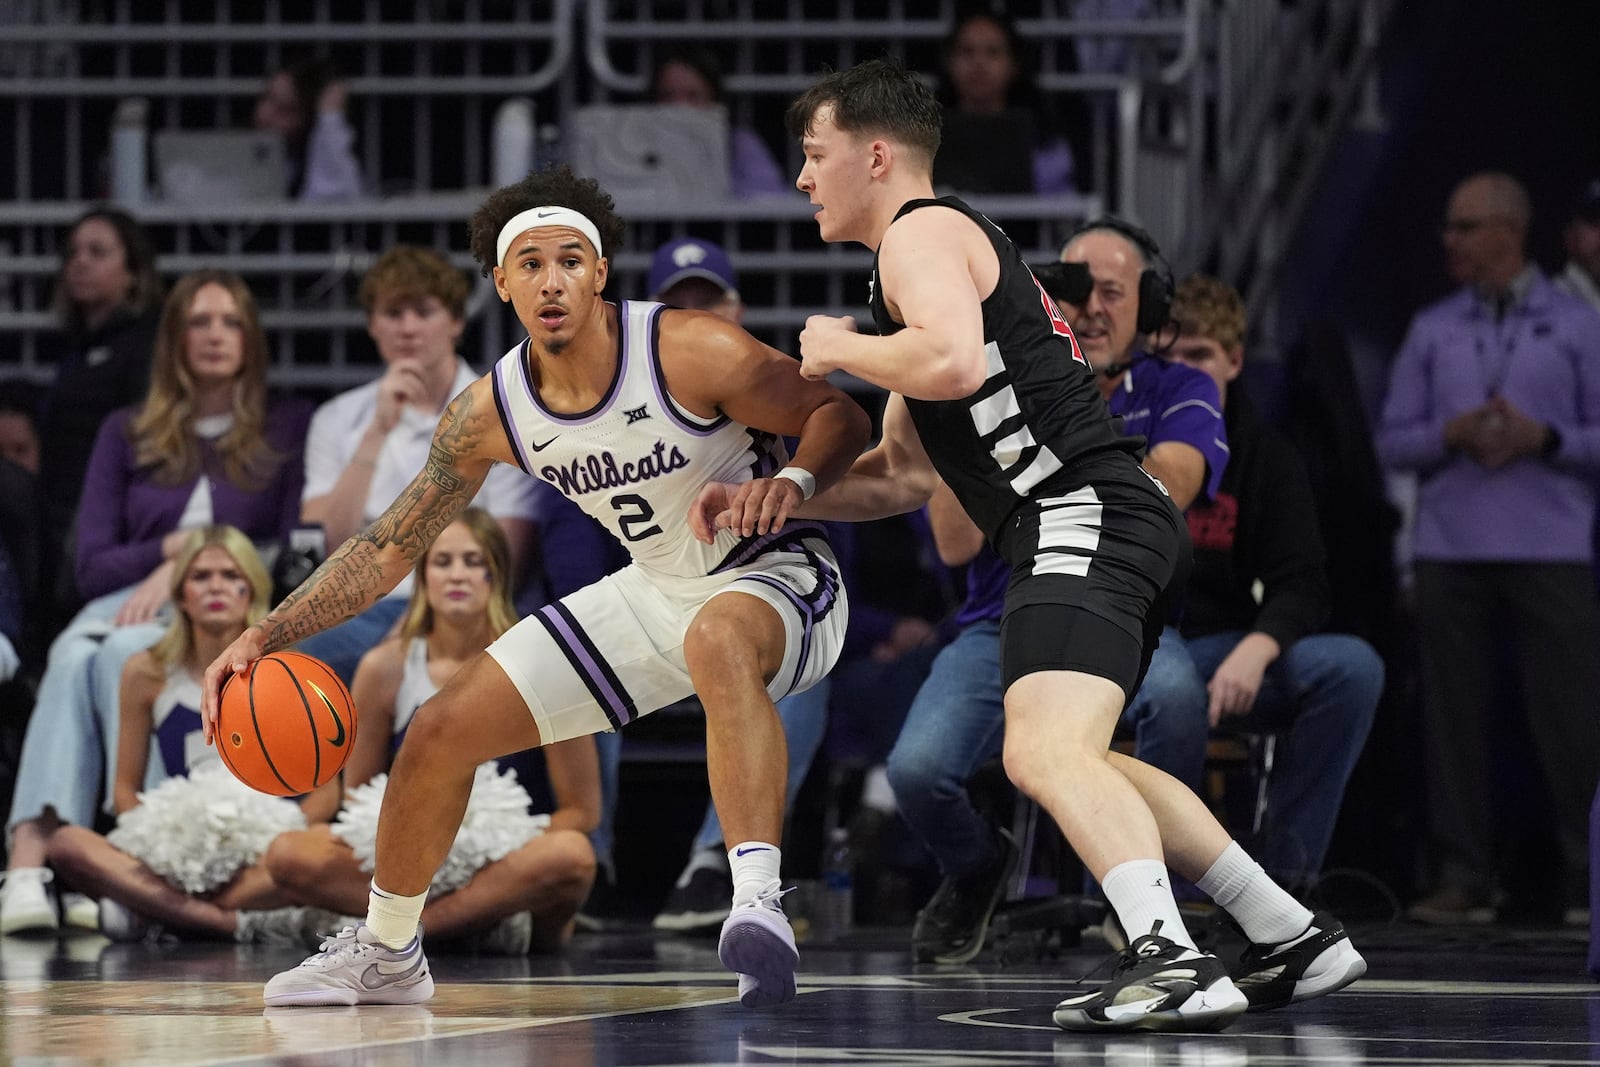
x: 722, y: 645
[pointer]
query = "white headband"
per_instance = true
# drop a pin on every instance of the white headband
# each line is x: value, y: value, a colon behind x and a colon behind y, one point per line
x: 535, y: 217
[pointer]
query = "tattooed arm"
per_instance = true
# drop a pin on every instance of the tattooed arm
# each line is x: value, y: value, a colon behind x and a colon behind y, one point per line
x: 469, y: 440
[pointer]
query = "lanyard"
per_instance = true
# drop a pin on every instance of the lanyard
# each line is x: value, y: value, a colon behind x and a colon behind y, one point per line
x: 1496, y: 362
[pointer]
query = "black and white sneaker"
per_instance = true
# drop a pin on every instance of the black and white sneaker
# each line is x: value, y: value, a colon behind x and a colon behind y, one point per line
x: 1158, y: 985
x: 952, y: 926
x: 700, y: 903
x: 1315, y: 962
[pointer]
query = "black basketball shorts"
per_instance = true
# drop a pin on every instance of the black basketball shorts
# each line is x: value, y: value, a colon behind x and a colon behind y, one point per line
x: 1095, y: 574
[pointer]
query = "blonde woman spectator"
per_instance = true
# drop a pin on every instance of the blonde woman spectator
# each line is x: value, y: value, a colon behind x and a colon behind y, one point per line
x: 205, y: 446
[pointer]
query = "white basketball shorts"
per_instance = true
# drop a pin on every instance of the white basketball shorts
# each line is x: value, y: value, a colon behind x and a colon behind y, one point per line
x: 612, y: 651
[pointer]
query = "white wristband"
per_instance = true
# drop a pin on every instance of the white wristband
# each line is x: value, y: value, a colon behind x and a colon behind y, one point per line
x: 802, y: 478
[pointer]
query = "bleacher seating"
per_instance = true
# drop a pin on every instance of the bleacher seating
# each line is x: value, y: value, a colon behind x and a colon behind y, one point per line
x: 426, y: 80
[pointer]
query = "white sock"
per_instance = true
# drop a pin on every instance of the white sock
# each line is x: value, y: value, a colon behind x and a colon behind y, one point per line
x: 701, y: 859
x: 1261, y: 907
x: 392, y: 918
x: 755, y: 869
x: 1141, y: 892
x: 876, y: 792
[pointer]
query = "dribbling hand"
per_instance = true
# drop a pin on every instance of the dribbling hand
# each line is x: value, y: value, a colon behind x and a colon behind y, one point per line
x: 235, y: 659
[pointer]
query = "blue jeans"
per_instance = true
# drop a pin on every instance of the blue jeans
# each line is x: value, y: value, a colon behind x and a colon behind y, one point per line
x: 956, y: 724
x: 1319, y: 696
x: 71, y: 742
x: 342, y: 646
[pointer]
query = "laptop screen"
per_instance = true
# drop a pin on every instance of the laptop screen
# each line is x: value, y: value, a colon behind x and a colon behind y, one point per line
x: 664, y: 151
x: 220, y: 166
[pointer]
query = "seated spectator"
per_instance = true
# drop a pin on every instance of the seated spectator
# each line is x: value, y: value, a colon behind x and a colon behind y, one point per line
x: 185, y: 855
x: 19, y: 426
x: 366, y: 444
x: 204, y: 447
x: 22, y: 622
x: 690, y: 75
x: 1003, y: 134
x: 519, y: 867
x: 305, y: 101
x: 107, y: 300
x: 1247, y: 655
x: 1175, y: 408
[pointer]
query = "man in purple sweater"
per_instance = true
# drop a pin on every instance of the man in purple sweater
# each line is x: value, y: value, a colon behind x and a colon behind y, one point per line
x: 1494, y: 403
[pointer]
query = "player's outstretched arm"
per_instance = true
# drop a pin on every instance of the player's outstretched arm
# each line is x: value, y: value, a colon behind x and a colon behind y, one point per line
x: 934, y: 269
x: 892, y: 479
x: 469, y: 440
x: 714, y: 366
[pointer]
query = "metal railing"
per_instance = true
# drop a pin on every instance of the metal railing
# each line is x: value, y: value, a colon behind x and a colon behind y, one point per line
x: 1290, y: 78
x: 426, y: 79
x: 305, y: 261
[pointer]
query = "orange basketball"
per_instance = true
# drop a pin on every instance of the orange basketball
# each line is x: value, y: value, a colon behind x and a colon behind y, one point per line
x: 287, y: 725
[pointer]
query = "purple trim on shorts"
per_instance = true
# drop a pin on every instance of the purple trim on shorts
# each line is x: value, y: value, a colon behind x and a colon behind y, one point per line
x: 813, y: 607
x: 792, y: 536
x: 586, y: 661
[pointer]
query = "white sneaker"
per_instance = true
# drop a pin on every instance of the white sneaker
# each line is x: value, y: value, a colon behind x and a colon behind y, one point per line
x: 80, y: 912
x: 272, y: 926
x: 121, y: 923
x: 511, y: 936
x: 25, y: 904
x: 354, y: 967
x: 758, y: 944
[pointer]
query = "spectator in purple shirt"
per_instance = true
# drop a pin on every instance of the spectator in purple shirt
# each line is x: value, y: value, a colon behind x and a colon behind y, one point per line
x: 204, y: 447
x: 1494, y: 402
x: 306, y: 101
x: 957, y: 721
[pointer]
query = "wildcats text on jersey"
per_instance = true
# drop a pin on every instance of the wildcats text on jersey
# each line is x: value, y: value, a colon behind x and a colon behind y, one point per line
x: 595, y: 472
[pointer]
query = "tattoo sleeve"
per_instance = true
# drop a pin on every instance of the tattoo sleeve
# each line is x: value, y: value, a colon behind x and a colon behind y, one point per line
x: 373, y: 561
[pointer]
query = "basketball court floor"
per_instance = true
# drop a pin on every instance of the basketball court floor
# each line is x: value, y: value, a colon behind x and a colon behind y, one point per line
x: 1430, y: 998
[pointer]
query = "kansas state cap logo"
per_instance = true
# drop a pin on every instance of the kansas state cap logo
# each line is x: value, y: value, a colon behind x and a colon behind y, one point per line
x: 688, y: 255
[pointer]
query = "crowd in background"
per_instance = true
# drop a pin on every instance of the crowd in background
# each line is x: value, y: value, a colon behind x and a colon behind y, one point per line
x: 1319, y: 603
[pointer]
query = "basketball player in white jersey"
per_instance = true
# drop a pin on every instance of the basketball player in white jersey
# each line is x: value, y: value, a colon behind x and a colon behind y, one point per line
x: 991, y: 394
x: 628, y: 409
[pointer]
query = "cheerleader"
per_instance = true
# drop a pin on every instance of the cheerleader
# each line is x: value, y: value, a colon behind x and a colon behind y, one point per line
x: 184, y: 855
x: 515, y: 877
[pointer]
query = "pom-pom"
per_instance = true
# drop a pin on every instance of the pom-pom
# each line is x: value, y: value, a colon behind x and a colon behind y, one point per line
x: 496, y: 824
x: 199, y: 832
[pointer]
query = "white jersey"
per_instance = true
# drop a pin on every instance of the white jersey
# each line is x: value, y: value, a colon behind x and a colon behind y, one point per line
x: 637, y: 460
x: 416, y: 684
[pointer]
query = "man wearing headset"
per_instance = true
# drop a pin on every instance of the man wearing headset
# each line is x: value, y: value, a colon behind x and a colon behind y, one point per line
x: 1246, y: 649
x: 1114, y: 292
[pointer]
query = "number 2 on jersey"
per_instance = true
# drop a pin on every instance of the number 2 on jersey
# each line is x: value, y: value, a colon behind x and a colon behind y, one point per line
x: 639, y: 512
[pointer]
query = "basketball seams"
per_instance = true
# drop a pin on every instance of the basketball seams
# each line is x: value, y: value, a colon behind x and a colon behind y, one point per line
x: 255, y: 722
x: 277, y: 741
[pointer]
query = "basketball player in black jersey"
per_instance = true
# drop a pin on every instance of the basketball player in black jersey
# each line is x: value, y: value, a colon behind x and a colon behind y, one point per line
x: 990, y: 392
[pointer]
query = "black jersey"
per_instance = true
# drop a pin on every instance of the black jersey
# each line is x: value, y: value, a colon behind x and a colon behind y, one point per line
x: 1038, y: 422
